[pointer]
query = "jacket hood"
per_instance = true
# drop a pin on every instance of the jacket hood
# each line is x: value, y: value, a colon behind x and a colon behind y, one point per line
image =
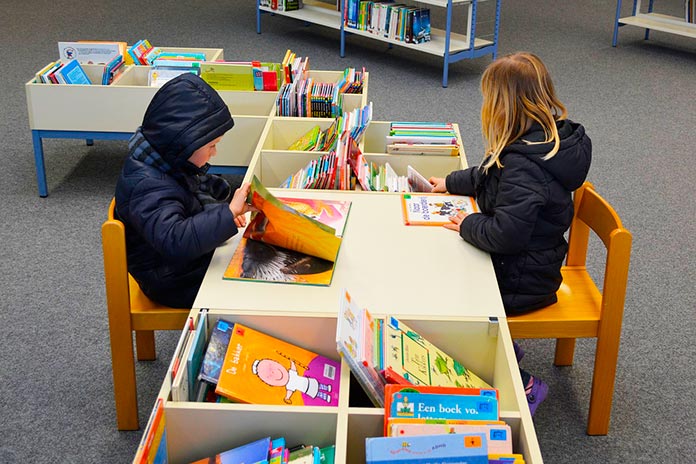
x: 571, y: 163
x: 185, y: 114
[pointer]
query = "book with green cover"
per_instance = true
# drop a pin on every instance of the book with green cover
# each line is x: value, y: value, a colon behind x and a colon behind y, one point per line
x: 308, y: 140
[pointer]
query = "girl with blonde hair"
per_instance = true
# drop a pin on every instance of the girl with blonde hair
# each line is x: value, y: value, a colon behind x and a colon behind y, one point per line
x: 535, y: 157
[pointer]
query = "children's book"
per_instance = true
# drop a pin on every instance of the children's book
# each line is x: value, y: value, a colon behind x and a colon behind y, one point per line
x: 254, y: 452
x: 305, y: 455
x: 390, y: 391
x: 90, y: 52
x: 505, y: 458
x: 438, y: 406
x: 327, y: 455
x: 434, y: 209
x: 194, y: 360
x: 153, y: 444
x: 262, y: 369
x: 355, y: 343
x: 308, y: 140
x: 498, y: 436
x: 72, y: 73
x: 447, y: 448
x: 292, y: 240
x: 416, y: 181
x: 411, y: 359
x: 215, y: 352
x: 228, y: 76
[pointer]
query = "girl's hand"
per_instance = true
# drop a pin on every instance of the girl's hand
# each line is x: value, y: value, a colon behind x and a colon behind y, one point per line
x: 456, y: 221
x: 439, y: 185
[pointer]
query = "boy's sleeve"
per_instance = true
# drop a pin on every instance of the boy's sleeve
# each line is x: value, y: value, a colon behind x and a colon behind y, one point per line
x: 158, y: 213
x: 462, y: 182
x: 521, y: 194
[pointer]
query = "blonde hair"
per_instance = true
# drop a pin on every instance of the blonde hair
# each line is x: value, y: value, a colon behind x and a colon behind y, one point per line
x: 517, y: 91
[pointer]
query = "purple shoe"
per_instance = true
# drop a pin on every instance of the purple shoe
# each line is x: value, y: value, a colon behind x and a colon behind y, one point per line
x: 519, y: 352
x: 536, y: 391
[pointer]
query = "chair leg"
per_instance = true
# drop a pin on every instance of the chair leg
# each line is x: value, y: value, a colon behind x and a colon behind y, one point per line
x: 123, y: 368
x: 145, y: 345
x: 606, y: 358
x: 565, y: 350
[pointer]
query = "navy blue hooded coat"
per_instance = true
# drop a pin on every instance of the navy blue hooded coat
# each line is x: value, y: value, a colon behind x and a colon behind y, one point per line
x: 170, y: 232
x: 526, y: 208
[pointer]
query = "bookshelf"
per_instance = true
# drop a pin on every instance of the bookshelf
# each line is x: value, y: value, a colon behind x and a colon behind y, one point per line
x: 195, y: 430
x: 113, y: 112
x: 651, y: 21
x: 452, y: 47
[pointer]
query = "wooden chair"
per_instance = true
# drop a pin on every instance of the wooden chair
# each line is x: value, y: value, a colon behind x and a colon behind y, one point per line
x: 129, y: 310
x: 582, y: 311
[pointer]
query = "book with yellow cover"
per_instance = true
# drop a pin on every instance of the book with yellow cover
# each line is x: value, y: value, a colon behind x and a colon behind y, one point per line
x: 228, y: 76
x: 289, y: 240
x: 262, y: 369
x: 411, y: 359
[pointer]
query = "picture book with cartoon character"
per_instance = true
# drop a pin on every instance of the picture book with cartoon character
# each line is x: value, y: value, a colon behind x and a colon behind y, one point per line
x: 411, y: 359
x: 262, y: 369
x: 434, y: 209
x: 290, y: 240
x: 450, y: 447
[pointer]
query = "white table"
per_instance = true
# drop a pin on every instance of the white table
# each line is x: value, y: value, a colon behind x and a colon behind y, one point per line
x: 387, y: 266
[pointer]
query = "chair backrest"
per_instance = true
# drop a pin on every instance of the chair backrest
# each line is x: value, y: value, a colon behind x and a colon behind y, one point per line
x: 592, y: 212
x: 115, y: 261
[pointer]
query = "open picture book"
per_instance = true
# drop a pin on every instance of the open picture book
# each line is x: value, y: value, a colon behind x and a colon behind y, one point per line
x: 289, y: 240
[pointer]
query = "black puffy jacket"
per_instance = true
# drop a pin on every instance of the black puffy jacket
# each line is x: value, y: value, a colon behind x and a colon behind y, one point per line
x: 170, y: 234
x: 526, y: 208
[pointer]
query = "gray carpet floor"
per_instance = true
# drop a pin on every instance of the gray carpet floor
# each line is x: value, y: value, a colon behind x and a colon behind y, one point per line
x: 636, y: 101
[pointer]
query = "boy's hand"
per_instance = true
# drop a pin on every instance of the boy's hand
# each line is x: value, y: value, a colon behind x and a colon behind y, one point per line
x: 239, y: 206
x: 439, y: 185
x: 455, y: 221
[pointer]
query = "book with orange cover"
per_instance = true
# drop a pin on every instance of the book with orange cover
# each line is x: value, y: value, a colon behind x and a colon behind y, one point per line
x: 434, y: 209
x: 290, y: 240
x: 262, y: 369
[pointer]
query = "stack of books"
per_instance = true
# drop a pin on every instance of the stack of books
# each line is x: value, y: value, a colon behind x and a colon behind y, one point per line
x: 422, y: 138
x: 58, y: 72
x: 273, y: 451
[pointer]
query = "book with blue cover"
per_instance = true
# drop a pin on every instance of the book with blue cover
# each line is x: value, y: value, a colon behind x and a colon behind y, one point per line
x: 215, y: 352
x: 72, y: 73
x: 442, y: 406
x: 432, y: 449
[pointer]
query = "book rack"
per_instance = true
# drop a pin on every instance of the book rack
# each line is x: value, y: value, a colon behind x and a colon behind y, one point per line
x: 651, y: 20
x: 450, y: 46
x: 113, y: 112
x: 195, y: 430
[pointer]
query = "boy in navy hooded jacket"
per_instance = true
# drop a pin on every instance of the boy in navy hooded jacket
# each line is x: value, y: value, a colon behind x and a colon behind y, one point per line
x: 174, y: 213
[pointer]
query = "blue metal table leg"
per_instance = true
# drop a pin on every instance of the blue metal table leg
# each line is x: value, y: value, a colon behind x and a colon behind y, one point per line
x: 650, y: 9
x: 616, y: 23
x: 39, y: 163
x: 448, y: 30
x: 89, y: 142
x: 258, y: 17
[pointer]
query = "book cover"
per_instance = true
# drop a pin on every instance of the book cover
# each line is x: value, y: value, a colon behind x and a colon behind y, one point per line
x: 434, y: 209
x: 433, y: 449
x: 228, y: 76
x: 416, y: 181
x: 72, y: 73
x: 505, y: 458
x: 194, y: 360
x: 251, y: 453
x: 262, y: 369
x: 443, y: 406
x: 307, y: 141
x: 327, y: 455
x: 305, y: 455
x: 354, y: 340
x: 89, y: 52
x: 410, y: 358
x: 153, y: 444
x: 288, y: 241
x: 498, y: 437
x: 215, y: 352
